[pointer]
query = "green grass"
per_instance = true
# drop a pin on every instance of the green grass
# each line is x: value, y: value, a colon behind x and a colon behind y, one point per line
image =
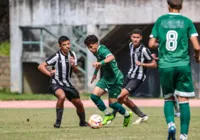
x: 5, y: 95
x: 5, y: 48
x: 14, y: 126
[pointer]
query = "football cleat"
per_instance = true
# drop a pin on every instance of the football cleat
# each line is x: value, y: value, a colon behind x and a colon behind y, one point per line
x: 141, y: 119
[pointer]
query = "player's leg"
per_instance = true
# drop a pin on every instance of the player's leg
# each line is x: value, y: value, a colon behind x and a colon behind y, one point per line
x: 130, y: 87
x: 115, y: 105
x: 114, y: 91
x: 96, y: 98
x: 184, y: 90
x: 168, y: 90
x: 176, y: 107
x: 73, y: 96
x: 60, y: 94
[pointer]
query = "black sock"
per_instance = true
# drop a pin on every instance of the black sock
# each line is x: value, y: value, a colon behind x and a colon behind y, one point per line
x: 137, y: 111
x: 59, y: 114
x: 81, y: 116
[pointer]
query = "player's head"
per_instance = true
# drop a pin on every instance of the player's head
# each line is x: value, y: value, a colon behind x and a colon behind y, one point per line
x: 64, y: 44
x: 136, y: 37
x: 175, y: 4
x: 91, y: 41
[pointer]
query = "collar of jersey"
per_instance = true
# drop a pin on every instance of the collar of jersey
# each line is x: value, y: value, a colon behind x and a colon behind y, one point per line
x: 63, y: 54
x: 98, y: 48
x: 174, y: 13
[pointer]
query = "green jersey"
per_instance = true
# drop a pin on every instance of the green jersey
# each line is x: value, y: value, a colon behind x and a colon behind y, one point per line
x: 110, y: 70
x: 172, y: 32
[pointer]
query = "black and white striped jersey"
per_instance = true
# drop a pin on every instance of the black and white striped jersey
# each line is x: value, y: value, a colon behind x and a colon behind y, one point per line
x: 63, y: 68
x: 141, y: 54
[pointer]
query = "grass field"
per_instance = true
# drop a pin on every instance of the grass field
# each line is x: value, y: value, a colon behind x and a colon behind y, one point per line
x: 15, y: 126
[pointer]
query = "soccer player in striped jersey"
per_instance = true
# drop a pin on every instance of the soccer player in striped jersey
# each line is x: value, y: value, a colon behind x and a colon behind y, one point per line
x: 170, y: 34
x: 141, y: 59
x: 63, y: 62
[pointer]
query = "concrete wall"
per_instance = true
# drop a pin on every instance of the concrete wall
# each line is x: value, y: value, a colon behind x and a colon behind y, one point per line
x: 45, y: 13
x: 78, y: 12
x: 4, y: 72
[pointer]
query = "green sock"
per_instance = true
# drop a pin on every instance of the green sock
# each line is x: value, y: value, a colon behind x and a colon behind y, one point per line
x: 99, y: 103
x: 118, y: 107
x: 169, y: 111
x: 185, y: 117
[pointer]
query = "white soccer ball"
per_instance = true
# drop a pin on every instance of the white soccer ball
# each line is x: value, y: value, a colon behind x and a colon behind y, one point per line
x: 95, y: 121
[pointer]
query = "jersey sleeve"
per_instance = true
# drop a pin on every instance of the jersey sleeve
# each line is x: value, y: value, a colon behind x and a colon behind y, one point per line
x: 154, y: 33
x: 147, y: 54
x: 51, y: 61
x: 75, y: 58
x: 105, y: 52
x: 192, y: 29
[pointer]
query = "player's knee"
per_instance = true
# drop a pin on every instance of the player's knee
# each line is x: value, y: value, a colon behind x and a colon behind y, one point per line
x: 120, y: 99
x: 113, y: 106
x: 61, y: 98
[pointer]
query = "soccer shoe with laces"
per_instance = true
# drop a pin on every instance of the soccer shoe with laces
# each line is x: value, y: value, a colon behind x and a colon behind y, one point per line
x: 127, y: 120
x: 108, y: 119
x: 56, y: 125
x: 85, y: 124
x: 141, y: 119
x: 172, y: 133
x: 183, y: 137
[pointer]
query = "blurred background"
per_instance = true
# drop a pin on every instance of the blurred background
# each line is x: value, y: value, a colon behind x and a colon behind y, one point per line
x: 29, y: 30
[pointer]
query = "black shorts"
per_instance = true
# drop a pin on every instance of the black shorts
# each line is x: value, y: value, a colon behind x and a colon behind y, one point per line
x: 132, y: 84
x: 70, y: 92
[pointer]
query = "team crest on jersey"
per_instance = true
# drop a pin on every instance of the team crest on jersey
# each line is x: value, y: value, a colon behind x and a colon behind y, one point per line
x: 138, y: 53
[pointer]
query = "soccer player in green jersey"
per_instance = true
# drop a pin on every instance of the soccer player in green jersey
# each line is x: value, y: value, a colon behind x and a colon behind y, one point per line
x: 170, y: 34
x: 110, y: 83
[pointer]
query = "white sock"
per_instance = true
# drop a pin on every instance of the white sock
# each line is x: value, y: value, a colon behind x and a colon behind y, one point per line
x: 126, y: 114
x: 171, y: 124
x: 183, y: 137
x: 106, y: 111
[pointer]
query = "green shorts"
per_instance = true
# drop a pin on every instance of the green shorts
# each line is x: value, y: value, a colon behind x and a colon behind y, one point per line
x: 176, y: 80
x: 112, y: 86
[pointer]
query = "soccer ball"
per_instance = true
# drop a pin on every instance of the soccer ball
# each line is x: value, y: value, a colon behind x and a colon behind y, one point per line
x: 95, y: 121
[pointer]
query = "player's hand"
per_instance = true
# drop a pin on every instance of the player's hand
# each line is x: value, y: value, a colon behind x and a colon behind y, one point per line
x: 154, y: 56
x: 52, y: 73
x: 197, y: 58
x: 93, y: 78
x: 138, y: 63
x: 96, y: 64
x: 72, y: 61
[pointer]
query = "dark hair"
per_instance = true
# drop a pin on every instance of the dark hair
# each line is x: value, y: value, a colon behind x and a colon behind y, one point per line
x: 90, y: 39
x: 136, y: 31
x: 62, y: 39
x: 175, y: 4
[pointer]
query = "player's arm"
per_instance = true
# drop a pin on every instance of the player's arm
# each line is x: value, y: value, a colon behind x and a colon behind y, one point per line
x: 196, y: 47
x: 194, y: 39
x: 95, y: 74
x: 73, y: 62
x: 108, y: 59
x: 148, y: 56
x: 43, y: 68
x: 49, y: 62
x: 153, y: 43
x: 152, y: 64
